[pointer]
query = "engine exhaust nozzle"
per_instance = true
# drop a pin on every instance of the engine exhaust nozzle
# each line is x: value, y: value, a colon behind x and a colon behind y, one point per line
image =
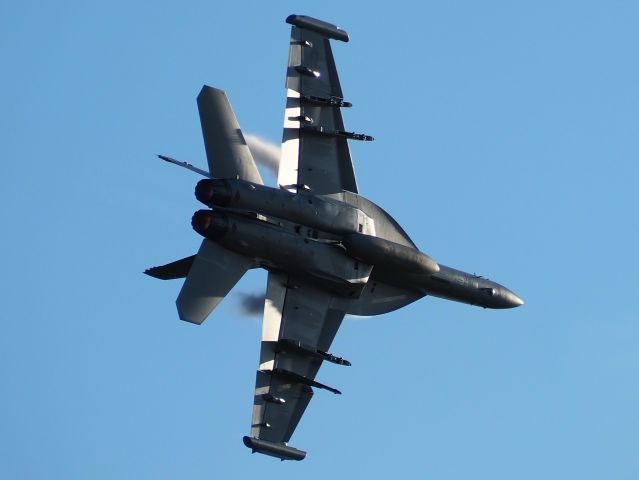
x: 213, y: 192
x: 210, y: 224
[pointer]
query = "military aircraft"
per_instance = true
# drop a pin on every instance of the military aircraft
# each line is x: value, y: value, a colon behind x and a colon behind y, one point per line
x: 328, y: 251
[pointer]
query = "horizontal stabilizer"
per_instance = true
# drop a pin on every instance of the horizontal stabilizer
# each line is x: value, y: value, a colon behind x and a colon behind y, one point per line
x: 278, y: 450
x: 214, y: 272
x: 171, y: 271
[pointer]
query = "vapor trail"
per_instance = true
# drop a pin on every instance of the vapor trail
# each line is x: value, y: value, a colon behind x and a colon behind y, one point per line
x: 264, y: 152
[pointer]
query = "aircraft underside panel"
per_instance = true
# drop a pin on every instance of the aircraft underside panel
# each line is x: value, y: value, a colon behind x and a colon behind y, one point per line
x: 315, y: 152
x: 379, y: 297
x: 385, y: 226
x: 300, y: 322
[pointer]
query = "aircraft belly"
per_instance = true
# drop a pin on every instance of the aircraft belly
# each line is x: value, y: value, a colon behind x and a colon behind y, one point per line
x: 379, y: 297
x: 279, y: 250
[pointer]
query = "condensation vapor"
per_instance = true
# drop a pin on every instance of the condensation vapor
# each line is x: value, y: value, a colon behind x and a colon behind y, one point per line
x: 252, y: 304
x: 265, y: 153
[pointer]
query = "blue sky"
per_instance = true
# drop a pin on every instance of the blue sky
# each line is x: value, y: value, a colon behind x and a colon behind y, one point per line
x: 506, y: 145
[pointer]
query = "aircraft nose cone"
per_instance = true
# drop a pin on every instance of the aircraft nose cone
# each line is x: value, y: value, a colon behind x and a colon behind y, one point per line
x: 511, y: 299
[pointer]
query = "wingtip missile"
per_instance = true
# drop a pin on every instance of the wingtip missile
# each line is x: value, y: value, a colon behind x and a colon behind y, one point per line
x: 186, y: 165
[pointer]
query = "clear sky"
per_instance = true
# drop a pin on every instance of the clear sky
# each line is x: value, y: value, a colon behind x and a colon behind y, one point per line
x: 506, y: 145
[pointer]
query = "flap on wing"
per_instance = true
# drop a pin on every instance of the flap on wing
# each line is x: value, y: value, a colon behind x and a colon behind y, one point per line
x: 227, y: 153
x: 214, y: 272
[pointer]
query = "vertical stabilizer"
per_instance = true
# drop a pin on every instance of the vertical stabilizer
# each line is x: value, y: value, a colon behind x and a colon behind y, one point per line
x: 227, y: 153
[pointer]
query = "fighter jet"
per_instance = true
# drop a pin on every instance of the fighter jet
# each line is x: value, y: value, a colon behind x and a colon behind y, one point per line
x: 328, y: 250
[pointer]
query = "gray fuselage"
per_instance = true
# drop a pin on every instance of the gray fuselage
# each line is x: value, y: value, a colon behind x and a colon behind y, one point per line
x: 342, y: 242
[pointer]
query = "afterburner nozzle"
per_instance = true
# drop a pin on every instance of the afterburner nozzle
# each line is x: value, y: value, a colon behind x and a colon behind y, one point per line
x: 210, y: 224
x: 213, y: 192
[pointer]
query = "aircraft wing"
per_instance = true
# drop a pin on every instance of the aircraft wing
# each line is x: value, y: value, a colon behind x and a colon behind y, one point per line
x: 315, y: 153
x: 300, y: 322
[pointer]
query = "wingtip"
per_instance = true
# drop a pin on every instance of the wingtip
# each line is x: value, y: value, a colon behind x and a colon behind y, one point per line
x: 208, y: 90
x: 320, y: 26
x: 278, y: 450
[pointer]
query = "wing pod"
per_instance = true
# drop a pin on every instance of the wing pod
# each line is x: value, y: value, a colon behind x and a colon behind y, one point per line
x: 323, y: 28
x: 297, y: 378
x: 285, y: 344
x: 278, y: 450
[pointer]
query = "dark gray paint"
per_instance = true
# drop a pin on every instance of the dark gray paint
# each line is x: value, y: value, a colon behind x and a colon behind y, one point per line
x: 326, y: 29
x: 328, y: 250
x: 227, y: 153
